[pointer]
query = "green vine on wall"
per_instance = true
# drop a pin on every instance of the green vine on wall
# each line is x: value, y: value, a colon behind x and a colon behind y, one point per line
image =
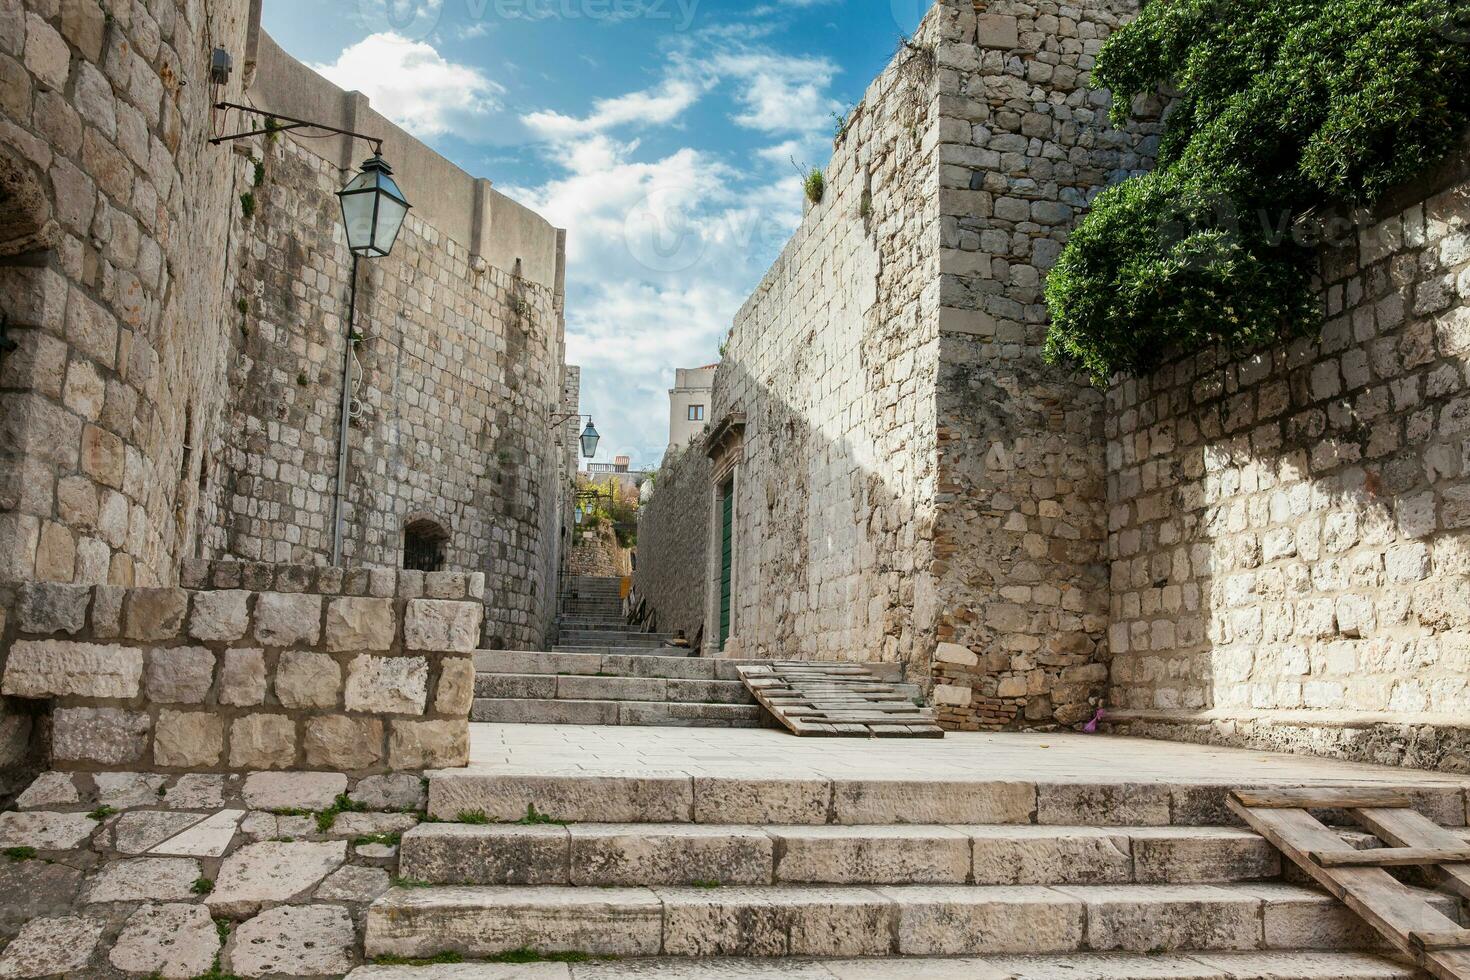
x: 1283, y: 110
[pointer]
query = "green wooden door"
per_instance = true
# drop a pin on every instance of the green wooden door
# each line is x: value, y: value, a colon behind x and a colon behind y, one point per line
x: 727, y: 527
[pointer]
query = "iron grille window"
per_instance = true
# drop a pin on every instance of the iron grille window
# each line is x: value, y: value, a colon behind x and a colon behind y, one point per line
x: 423, y: 547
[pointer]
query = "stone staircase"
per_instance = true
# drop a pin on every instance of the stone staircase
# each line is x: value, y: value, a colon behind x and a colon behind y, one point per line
x: 612, y: 688
x: 1022, y: 880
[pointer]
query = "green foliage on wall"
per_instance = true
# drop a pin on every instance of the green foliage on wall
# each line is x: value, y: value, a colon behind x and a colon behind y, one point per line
x: 1283, y: 109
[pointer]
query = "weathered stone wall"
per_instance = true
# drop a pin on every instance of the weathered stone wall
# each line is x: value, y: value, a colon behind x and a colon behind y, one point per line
x: 240, y: 680
x: 1290, y: 530
x: 913, y: 483
x: 1020, y: 531
x: 116, y: 299
x: 673, y: 536
x: 595, y: 552
x: 455, y: 381
x: 832, y: 362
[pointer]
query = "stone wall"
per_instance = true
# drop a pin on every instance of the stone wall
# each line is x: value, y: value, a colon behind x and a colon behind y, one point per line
x: 365, y: 681
x: 455, y: 380
x: 673, y: 535
x: 912, y: 483
x: 832, y: 363
x: 1290, y: 530
x: 1020, y: 530
x: 111, y: 278
x: 595, y: 552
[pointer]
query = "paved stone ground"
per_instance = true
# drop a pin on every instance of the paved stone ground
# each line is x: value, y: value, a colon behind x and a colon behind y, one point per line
x: 1052, y: 757
x: 122, y: 874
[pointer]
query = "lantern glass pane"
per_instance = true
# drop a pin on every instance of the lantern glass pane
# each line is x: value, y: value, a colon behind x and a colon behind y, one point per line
x: 590, y: 438
x: 357, y: 215
x: 391, y: 213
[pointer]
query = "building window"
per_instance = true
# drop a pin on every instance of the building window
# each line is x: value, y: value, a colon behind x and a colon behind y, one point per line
x: 423, y: 546
x: 696, y: 413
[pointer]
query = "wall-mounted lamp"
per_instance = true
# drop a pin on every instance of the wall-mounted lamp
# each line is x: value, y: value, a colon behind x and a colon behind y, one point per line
x: 373, y: 211
x: 590, y: 436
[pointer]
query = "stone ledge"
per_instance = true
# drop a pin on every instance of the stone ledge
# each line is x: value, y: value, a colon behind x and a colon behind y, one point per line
x: 385, y: 583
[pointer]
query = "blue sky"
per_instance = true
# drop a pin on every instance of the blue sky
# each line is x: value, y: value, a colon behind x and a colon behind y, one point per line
x: 660, y: 133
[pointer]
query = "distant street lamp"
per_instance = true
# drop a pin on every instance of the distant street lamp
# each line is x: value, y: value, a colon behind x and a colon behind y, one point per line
x: 590, y: 435
x: 373, y: 209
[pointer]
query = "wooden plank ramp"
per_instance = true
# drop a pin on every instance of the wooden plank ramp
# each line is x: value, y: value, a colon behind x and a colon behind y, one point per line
x: 1358, y: 878
x: 837, y: 699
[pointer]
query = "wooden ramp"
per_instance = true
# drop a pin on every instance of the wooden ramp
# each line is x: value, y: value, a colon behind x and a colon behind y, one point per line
x: 1436, y: 943
x: 836, y: 699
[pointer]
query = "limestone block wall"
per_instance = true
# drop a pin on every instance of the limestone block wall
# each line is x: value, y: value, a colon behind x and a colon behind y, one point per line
x: 673, y: 538
x: 832, y: 361
x: 1020, y: 532
x: 115, y: 215
x: 165, y: 679
x: 1289, y: 531
x: 456, y: 378
x: 596, y: 552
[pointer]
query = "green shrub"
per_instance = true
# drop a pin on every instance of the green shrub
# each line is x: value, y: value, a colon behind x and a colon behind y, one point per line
x: 1284, y: 109
x: 815, y: 185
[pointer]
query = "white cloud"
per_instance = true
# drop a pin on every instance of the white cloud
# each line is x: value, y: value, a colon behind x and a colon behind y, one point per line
x: 415, y: 86
x: 663, y: 247
x: 655, y: 106
x: 780, y: 93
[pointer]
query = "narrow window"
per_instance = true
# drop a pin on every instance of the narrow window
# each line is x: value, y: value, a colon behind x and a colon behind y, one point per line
x: 423, y: 546
x: 188, y: 442
x: 696, y: 413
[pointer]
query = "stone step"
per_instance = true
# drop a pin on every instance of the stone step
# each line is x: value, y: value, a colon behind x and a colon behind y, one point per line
x: 608, y: 638
x: 919, y: 920
x: 1289, y: 965
x: 604, y: 648
x: 661, y: 714
x: 594, y: 687
x: 662, y: 792
x: 599, y: 854
x: 606, y: 626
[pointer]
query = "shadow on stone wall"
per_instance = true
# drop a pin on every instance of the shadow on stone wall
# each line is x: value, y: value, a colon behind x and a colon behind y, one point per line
x: 1291, y: 528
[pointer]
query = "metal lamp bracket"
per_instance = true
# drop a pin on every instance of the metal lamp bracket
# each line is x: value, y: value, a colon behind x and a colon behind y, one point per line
x: 277, y: 123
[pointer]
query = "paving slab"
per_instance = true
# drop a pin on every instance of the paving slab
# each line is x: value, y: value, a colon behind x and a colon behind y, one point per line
x: 172, y: 940
x: 51, y: 946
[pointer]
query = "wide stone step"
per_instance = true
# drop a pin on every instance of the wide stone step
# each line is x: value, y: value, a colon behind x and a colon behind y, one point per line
x: 605, y: 626
x: 1291, y: 965
x: 613, y: 637
x: 919, y: 920
x: 688, y: 854
x: 620, y: 664
x: 603, y: 648
x: 662, y: 714
x: 596, y: 687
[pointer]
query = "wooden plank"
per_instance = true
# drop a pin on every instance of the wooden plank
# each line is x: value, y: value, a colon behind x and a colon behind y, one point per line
x: 1391, y: 857
x: 1387, y: 904
x: 1323, y: 798
x: 1410, y: 828
x: 817, y: 699
x: 1454, y: 939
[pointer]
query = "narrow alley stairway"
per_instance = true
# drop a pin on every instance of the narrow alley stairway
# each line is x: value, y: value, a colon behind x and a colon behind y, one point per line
x: 601, y: 671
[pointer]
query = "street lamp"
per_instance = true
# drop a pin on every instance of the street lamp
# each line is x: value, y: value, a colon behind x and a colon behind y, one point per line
x: 589, y: 440
x: 590, y: 435
x: 373, y: 209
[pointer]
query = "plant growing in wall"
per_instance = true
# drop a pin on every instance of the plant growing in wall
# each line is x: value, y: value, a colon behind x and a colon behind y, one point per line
x: 1284, y: 111
x: 815, y: 185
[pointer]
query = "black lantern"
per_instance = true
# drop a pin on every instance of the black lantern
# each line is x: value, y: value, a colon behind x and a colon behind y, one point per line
x: 373, y: 208
x: 589, y: 440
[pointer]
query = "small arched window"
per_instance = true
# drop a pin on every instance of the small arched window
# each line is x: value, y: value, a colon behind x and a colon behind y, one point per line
x: 423, y: 546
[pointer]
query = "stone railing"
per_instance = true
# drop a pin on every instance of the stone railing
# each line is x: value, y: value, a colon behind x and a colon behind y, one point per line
x: 245, y: 680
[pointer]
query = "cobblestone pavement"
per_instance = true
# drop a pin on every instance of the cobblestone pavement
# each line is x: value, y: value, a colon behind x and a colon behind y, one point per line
x: 109, y: 875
